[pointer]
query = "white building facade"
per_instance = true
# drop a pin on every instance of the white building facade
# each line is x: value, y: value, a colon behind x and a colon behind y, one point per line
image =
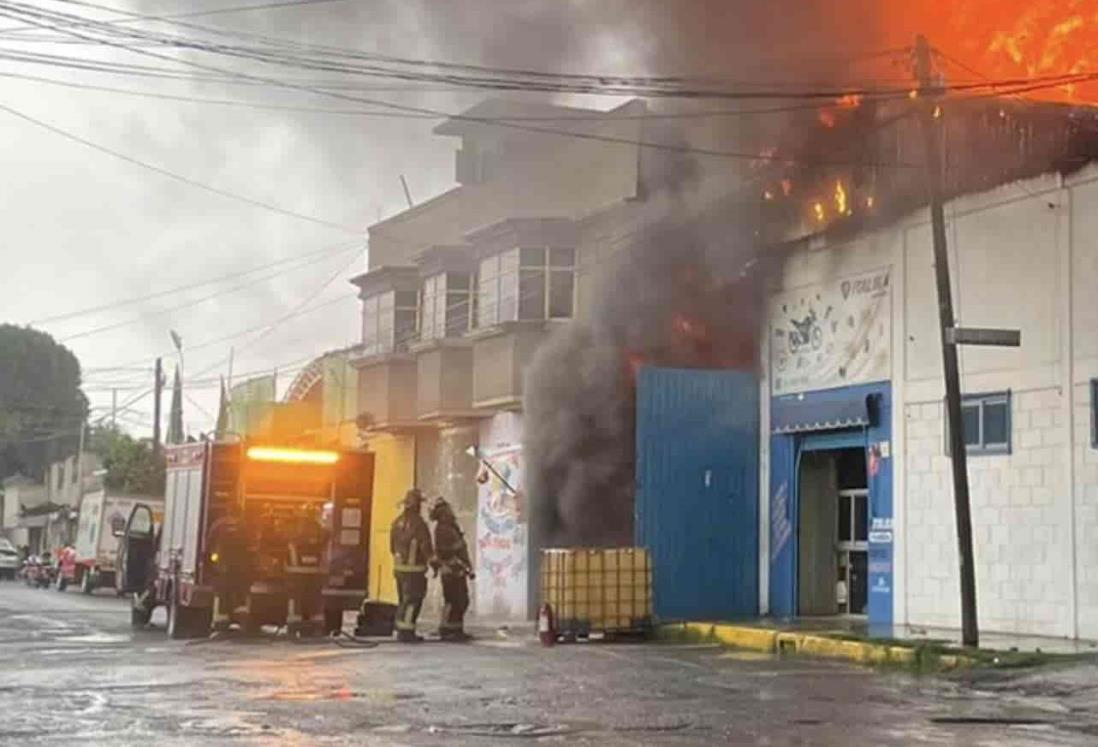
x: 857, y: 515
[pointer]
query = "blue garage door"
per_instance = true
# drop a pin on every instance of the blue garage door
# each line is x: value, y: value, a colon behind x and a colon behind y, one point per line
x: 697, y: 490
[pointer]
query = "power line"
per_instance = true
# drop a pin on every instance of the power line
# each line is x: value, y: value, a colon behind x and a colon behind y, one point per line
x: 188, y: 304
x: 197, y: 13
x: 329, y: 250
x: 578, y: 117
x: 172, y: 175
x: 485, y: 120
x: 597, y: 84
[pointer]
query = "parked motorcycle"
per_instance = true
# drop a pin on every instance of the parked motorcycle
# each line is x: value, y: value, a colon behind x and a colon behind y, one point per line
x: 38, y: 571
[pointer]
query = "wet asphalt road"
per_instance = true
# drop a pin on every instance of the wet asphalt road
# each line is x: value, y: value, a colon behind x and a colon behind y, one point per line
x: 72, y: 672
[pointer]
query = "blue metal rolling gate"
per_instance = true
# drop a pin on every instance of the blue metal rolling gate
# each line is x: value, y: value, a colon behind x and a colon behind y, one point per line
x: 697, y: 490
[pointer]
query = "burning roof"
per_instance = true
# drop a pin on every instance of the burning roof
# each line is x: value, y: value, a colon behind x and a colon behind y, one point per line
x: 867, y: 162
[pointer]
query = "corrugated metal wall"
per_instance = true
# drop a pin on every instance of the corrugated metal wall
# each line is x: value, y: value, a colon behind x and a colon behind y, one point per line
x: 697, y: 490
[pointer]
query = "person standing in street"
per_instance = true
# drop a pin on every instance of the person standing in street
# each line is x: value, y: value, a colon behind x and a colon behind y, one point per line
x: 410, y: 543
x: 453, y: 563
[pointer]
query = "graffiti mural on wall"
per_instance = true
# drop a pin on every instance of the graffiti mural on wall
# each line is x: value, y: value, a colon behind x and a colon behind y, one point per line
x: 501, y: 535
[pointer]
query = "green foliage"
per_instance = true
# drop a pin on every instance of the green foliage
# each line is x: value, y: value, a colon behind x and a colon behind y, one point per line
x: 130, y: 464
x: 41, y: 405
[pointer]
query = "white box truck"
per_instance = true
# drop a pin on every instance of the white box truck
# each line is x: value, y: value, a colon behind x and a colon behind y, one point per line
x: 102, y: 521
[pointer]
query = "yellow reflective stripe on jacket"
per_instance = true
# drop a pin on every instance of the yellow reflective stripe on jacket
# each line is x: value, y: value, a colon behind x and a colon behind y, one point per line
x: 401, y: 568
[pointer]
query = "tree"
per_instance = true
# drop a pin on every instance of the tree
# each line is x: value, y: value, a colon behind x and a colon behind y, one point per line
x: 41, y: 405
x: 131, y: 466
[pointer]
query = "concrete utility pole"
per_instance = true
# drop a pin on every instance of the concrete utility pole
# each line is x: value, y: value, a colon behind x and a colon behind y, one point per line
x: 114, y: 408
x: 158, y: 386
x: 930, y: 117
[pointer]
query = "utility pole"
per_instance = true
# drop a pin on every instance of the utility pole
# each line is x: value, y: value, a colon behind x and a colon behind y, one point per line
x: 114, y: 408
x: 158, y: 386
x: 930, y: 117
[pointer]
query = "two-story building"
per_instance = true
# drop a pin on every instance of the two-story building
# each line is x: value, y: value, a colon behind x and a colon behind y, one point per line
x: 461, y: 291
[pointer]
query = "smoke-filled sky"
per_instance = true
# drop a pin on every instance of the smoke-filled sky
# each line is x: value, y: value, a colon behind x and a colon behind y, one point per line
x: 82, y: 229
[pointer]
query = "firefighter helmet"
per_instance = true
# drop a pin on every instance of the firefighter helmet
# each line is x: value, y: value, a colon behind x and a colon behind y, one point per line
x: 413, y: 498
x: 439, y: 507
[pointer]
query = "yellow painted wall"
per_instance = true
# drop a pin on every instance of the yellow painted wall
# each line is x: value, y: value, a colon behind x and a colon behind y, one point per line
x: 394, y: 467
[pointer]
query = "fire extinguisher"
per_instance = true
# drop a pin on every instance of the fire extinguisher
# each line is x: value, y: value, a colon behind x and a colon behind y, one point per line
x: 547, y: 632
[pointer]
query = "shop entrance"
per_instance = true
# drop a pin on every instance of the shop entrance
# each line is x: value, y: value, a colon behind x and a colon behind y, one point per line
x: 833, y: 532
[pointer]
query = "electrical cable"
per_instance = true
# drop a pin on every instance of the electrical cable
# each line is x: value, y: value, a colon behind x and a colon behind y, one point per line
x: 172, y: 175
x: 579, y: 117
x: 196, y: 13
x: 191, y: 303
x: 483, y: 120
x: 331, y: 250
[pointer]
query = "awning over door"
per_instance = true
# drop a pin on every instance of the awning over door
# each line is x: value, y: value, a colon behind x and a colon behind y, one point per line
x: 819, y: 411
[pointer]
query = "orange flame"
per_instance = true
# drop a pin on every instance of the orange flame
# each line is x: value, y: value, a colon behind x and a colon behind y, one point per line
x: 841, y: 206
x: 1002, y: 40
x: 787, y: 187
x: 826, y: 117
x: 818, y: 210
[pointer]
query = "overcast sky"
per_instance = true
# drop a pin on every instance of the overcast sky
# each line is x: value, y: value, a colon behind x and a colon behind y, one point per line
x: 81, y: 228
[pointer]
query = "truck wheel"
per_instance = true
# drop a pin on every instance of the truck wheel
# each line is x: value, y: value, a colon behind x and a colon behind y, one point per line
x: 333, y: 621
x: 87, y: 585
x: 139, y: 616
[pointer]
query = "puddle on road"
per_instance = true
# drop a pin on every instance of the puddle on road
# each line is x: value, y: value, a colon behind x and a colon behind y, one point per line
x: 95, y: 638
x: 308, y: 694
x: 747, y: 656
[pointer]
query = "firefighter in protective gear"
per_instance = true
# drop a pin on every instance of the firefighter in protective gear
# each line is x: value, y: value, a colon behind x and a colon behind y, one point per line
x: 452, y: 562
x: 304, y: 570
x: 229, y: 557
x: 410, y: 543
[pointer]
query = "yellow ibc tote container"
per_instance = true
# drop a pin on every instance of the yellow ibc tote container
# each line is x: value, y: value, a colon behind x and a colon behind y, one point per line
x: 598, y: 591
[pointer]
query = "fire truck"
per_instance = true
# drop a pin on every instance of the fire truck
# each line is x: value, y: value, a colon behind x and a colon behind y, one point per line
x: 263, y: 489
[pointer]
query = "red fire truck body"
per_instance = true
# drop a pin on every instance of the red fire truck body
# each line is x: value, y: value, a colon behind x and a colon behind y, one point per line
x: 262, y: 486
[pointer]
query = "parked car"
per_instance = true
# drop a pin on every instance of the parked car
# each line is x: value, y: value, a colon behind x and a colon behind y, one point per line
x: 9, y: 559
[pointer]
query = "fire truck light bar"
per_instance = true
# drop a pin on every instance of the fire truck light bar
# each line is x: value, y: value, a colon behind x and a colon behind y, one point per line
x: 294, y: 456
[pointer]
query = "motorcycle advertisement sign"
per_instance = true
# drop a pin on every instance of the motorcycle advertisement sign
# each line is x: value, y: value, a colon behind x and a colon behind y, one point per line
x: 832, y: 334
x: 501, y: 535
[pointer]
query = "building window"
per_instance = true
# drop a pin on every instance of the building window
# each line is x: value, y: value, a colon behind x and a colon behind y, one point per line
x: 446, y: 305
x: 531, y: 283
x: 986, y: 420
x: 389, y: 322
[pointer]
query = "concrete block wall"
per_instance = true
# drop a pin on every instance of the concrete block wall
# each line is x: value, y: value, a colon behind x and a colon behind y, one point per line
x: 1020, y: 531
x: 1086, y: 514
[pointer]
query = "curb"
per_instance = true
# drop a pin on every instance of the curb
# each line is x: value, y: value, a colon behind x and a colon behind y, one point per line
x: 773, y: 641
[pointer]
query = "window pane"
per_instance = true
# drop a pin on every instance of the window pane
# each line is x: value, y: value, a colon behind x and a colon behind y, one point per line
x: 508, y: 286
x: 532, y: 294
x: 405, y: 328
x: 562, y: 257
x: 970, y: 414
x: 844, y: 518
x: 861, y: 518
x: 369, y: 326
x: 488, y: 284
x: 385, y: 330
x: 533, y: 256
x: 996, y: 423
x: 406, y: 299
x: 457, y: 281
x: 561, y: 287
x: 385, y: 301
x: 457, y: 314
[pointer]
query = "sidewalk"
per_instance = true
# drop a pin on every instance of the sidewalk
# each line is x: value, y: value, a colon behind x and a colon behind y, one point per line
x: 850, y: 639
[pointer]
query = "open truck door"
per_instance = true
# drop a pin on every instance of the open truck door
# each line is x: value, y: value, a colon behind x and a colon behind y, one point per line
x: 136, y: 551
